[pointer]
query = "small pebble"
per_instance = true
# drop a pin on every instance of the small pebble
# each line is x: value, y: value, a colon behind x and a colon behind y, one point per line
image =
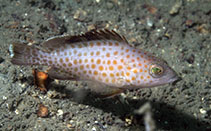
x: 202, y: 111
x: 175, y: 9
x: 60, y: 112
x: 42, y: 111
x: 80, y: 15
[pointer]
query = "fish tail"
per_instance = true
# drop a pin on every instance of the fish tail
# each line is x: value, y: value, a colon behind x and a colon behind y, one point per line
x: 26, y: 55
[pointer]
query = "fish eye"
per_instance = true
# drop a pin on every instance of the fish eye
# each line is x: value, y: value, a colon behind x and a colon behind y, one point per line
x: 156, y: 70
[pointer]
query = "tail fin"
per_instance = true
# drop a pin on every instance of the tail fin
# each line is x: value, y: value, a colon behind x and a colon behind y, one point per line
x: 25, y: 55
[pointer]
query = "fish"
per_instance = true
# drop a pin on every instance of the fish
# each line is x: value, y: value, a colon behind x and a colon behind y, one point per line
x: 98, y: 56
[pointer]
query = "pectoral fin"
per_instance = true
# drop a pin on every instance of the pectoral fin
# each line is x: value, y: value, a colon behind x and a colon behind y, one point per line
x: 104, y: 90
x: 60, y: 74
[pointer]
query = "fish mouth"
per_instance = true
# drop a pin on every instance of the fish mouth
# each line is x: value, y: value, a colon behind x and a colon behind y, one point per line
x: 175, y: 79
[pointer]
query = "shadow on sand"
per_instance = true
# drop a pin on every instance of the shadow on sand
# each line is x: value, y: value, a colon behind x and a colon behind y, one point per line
x: 166, y: 117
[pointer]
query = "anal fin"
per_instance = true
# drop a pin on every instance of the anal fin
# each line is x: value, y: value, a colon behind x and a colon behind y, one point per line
x: 60, y: 74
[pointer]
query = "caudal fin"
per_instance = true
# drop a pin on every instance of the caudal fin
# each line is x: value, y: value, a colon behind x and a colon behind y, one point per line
x: 25, y: 55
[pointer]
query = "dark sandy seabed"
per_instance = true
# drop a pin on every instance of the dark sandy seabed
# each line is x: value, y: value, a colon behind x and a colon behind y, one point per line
x: 178, y: 31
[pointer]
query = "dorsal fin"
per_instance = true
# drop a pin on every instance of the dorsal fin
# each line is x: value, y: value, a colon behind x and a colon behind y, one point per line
x: 105, y: 34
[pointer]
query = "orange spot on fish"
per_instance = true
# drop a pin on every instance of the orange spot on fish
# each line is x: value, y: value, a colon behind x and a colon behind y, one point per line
x: 75, y: 62
x: 75, y: 69
x: 101, y: 68
x: 93, y: 66
x: 87, y: 66
x: 79, y: 54
x: 107, y: 80
x: 61, y: 60
x: 122, y: 73
x: 98, y: 43
x: 108, y: 54
x: 97, y: 53
x: 86, y: 60
x: 117, y: 74
x: 135, y: 71
x: 128, y: 80
x: 113, y: 80
x: 111, y: 75
x: 127, y: 73
x: 145, y: 66
x: 129, y: 68
x: 142, y: 77
x: 95, y: 73
x: 91, y: 44
x: 103, y: 61
x: 116, y: 52
x: 108, y: 62
x: 98, y: 61
x: 67, y: 59
x: 114, y: 62
x: 92, y: 60
x: 80, y: 61
x: 90, y: 72
x: 111, y: 68
x: 120, y: 67
x: 81, y: 67
x: 69, y: 64
x: 141, y: 70
x: 110, y: 43
x: 104, y: 74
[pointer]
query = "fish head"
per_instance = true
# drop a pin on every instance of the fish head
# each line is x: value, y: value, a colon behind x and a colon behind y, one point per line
x: 159, y: 73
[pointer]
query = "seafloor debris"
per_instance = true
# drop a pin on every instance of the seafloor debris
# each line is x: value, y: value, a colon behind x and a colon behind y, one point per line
x: 80, y: 15
x: 42, y: 111
x: 148, y: 120
x: 41, y: 80
x: 175, y: 9
x: 203, y: 29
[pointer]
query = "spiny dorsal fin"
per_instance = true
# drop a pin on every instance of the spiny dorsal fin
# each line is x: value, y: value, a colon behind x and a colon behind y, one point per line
x: 105, y: 34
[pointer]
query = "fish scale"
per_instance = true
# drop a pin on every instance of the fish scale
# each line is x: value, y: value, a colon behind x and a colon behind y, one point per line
x: 100, y: 56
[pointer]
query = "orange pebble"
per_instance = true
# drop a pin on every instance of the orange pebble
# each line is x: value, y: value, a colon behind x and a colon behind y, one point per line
x: 42, y: 111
